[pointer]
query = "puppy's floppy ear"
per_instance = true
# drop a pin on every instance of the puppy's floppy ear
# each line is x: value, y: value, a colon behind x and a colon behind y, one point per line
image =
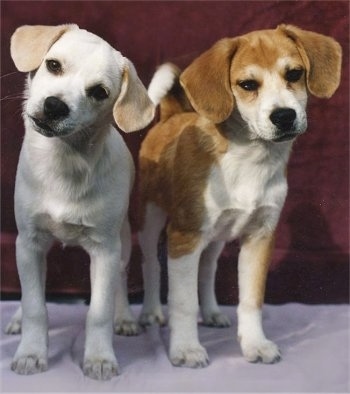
x: 29, y: 44
x: 207, y: 81
x: 322, y: 58
x: 133, y: 109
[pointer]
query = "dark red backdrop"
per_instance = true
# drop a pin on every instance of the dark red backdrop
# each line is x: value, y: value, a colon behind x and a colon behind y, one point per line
x: 310, y: 263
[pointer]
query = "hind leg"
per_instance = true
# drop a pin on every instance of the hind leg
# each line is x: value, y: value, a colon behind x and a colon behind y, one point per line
x: 154, y: 223
x: 15, y: 325
x: 211, y: 314
x: 124, y: 321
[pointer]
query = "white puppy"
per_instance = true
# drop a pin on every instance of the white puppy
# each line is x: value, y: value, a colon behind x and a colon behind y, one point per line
x: 73, y: 182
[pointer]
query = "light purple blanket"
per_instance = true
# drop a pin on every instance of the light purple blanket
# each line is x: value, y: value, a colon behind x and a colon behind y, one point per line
x: 314, y: 341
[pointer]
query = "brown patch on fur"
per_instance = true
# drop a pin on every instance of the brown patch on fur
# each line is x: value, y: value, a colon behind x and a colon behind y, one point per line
x: 322, y: 58
x: 207, y: 81
x: 258, y: 255
x: 175, y: 102
x: 263, y: 48
x: 175, y: 161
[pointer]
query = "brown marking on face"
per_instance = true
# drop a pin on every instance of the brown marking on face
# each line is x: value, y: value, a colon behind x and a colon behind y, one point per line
x: 269, y: 51
x: 212, y: 78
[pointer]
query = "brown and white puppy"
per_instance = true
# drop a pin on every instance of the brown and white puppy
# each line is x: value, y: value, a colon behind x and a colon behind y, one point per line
x: 73, y: 182
x: 218, y: 172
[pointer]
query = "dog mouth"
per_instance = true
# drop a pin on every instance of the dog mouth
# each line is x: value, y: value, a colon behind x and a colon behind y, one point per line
x: 43, y: 128
x: 285, y: 137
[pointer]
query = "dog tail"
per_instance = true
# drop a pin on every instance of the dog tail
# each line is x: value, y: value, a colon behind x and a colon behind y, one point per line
x: 165, y: 89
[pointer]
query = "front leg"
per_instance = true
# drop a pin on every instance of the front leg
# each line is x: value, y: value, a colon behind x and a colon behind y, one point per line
x: 253, y: 263
x: 185, y: 349
x: 99, y: 359
x: 32, y: 353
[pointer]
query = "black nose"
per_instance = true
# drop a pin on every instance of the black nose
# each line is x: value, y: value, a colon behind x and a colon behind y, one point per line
x: 283, y: 118
x: 55, y: 109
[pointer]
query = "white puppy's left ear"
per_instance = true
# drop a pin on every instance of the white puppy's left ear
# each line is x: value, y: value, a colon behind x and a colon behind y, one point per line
x: 29, y: 44
x: 133, y: 109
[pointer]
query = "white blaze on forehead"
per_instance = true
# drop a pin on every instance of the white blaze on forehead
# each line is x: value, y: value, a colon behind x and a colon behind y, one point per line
x: 252, y: 71
x: 288, y: 62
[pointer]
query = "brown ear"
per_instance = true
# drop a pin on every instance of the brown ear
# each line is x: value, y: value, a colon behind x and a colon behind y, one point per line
x: 133, y: 109
x: 29, y: 44
x: 207, y: 81
x: 322, y: 58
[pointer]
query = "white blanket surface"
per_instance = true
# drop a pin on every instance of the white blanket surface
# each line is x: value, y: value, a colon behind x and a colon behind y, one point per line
x: 314, y: 341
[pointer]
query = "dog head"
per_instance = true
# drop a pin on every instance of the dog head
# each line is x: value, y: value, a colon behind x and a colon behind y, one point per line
x: 77, y: 81
x: 266, y: 75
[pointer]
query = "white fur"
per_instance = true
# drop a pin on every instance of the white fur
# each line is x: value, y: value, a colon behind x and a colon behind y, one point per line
x: 74, y: 187
x: 161, y: 83
x: 246, y: 190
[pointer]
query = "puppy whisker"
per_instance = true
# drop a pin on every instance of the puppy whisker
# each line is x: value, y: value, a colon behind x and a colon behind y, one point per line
x: 14, y: 96
x: 9, y: 74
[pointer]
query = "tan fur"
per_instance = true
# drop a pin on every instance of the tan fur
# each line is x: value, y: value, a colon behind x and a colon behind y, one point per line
x: 212, y: 67
x: 322, y: 58
x: 257, y: 256
x: 133, y: 110
x: 29, y: 44
x: 181, y: 194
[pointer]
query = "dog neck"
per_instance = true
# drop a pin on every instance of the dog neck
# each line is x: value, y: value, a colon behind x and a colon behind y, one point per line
x: 73, y: 160
x: 86, y: 141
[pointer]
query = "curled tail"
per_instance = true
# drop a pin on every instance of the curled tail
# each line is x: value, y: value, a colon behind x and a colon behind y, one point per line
x: 165, y: 89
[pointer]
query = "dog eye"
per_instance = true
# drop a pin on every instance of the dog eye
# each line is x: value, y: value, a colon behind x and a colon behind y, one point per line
x: 294, y: 75
x: 54, y: 66
x: 98, y: 92
x: 249, y: 85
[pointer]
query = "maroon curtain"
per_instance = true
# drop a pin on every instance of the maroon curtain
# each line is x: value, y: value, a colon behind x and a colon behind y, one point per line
x: 310, y: 263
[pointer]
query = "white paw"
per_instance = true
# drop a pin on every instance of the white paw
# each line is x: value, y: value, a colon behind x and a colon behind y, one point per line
x: 100, y: 369
x: 148, y: 319
x: 127, y: 328
x: 190, y: 357
x: 29, y: 364
x: 14, y: 327
x: 260, y: 351
x: 217, y: 319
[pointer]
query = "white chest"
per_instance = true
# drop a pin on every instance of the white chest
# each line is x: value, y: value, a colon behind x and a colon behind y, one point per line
x: 245, y: 193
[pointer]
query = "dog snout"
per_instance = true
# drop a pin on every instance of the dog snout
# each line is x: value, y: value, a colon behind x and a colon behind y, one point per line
x: 55, y: 108
x: 283, y: 118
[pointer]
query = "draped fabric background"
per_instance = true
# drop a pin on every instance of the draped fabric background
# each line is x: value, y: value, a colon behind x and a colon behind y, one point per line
x: 310, y: 263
